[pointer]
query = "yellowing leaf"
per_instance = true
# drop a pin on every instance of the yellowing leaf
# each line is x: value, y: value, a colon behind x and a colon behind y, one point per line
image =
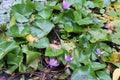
x: 110, y: 8
x: 115, y: 57
x: 12, y: 21
x: 116, y: 6
x: 69, y: 46
x: 6, y: 38
x: 31, y: 39
x: 116, y: 74
x: 110, y: 18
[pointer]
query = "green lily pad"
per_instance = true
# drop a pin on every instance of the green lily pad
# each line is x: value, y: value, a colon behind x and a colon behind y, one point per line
x: 6, y: 47
x: 83, y: 73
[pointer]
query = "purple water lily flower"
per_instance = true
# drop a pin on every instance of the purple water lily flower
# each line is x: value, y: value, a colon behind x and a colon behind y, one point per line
x: 98, y: 52
x: 68, y: 58
x: 53, y: 62
x: 65, y: 5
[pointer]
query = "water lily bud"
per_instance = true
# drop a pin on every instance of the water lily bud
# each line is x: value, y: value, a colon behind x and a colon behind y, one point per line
x: 98, y: 52
x: 65, y: 5
x: 68, y: 58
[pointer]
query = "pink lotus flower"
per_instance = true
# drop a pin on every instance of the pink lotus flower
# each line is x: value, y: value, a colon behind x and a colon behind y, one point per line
x: 68, y: 58
x: 53, y: 62
x: 65, y: 5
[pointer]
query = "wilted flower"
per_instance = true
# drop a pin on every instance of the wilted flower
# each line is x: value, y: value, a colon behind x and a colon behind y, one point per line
x: 65, y: 5
x: 31, y: 39
x: 68, y: 58
x: 98, y: 52
x: 53, y: 63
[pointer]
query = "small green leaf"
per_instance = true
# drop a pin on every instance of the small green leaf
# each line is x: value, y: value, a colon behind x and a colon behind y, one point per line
x: 68, y: 27
x: 44, y: 27
x: 22, y: 68
x: 2, y: 63
x: 115, y: 37
x: 16, y: 31
x: 12, y: 21
x: 41, y: 43
x: 83, y: 73
x: 82, y: 57
x: 45, y: 14
x: 6, y: 46
x: 85, y: 21
x: 112, y: 13
x: 11, y: 69
x: 53, y: 52
x: 15, y: 60
x: 20, y: 18
x: 99, y: 3
x: 34, y: 64
x: 23, y: 9
x: 99, y: 35
x: 39, y: 5
x: 115, y: 23
x: 31, y: 56
x: 77, y: 15
x: 103, y: 75
x: 97, y: 65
